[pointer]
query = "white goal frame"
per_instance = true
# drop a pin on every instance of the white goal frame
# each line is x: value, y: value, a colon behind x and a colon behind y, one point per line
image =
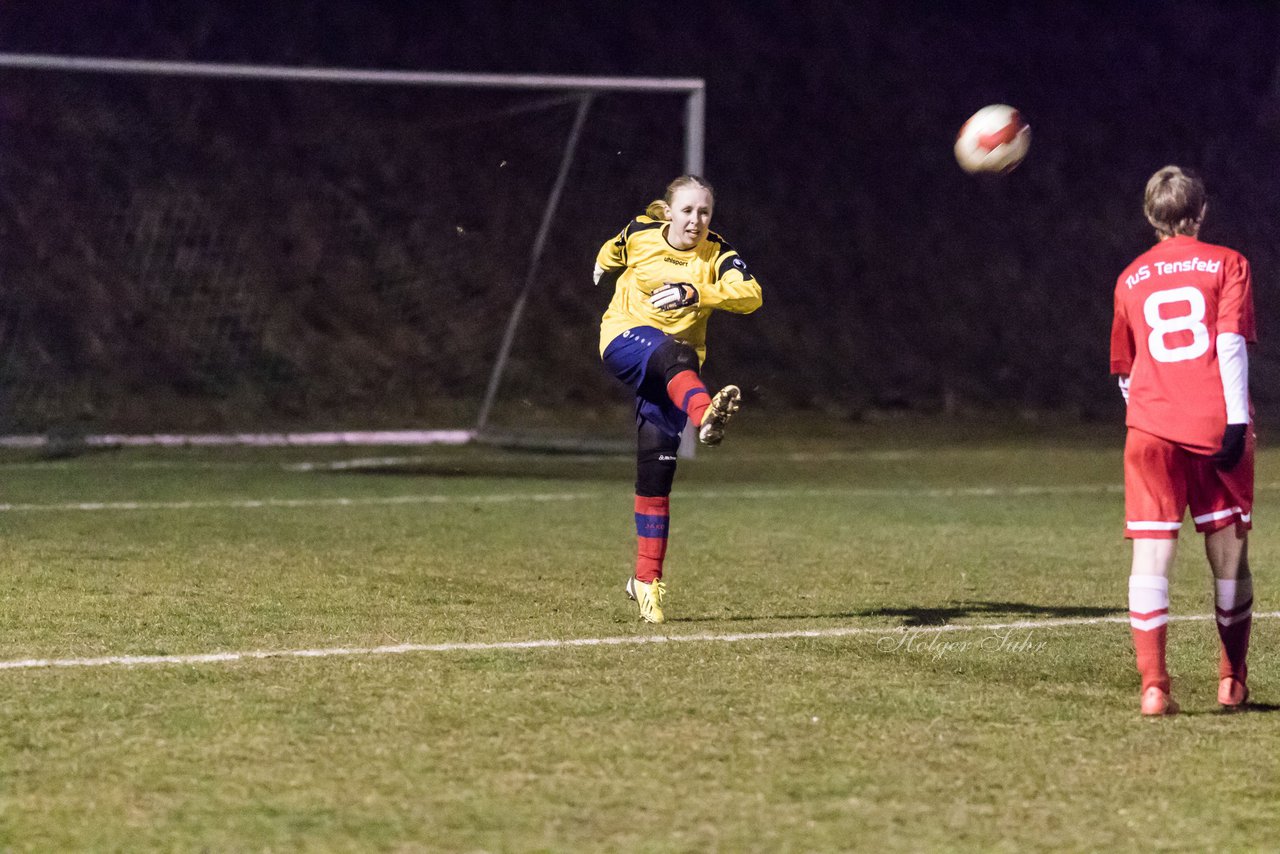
x: 583, y: 88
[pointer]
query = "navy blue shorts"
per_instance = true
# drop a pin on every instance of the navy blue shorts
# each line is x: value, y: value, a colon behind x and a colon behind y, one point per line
x: 627, y: 357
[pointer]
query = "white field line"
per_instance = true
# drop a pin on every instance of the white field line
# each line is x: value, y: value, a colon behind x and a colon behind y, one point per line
x: 375, y: 463
x: 542, y: 497
x: 1026, y: 491
x: 574, y: 643
x: 354, y: 464
x: 286, y: 503
x: 261, y: 440
x: 785, y: 456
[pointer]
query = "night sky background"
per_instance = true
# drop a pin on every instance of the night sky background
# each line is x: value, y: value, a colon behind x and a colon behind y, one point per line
x: 893, y: 281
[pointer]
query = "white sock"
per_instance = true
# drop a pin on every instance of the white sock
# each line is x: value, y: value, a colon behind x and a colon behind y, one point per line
x: 1233, y: 598
x: 1148, y: 601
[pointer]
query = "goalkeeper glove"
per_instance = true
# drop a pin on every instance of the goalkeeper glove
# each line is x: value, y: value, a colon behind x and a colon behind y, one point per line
x: 673, y: 295
x: 1228, y: 456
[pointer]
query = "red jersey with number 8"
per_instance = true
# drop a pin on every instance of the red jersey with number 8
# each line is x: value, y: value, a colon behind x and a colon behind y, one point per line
x: 1170, y: 306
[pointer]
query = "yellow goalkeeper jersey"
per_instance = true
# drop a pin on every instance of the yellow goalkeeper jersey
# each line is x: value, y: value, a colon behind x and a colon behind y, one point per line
x: 640, y: 259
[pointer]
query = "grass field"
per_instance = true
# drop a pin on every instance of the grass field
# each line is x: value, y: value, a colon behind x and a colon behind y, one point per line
x: 896, y: 637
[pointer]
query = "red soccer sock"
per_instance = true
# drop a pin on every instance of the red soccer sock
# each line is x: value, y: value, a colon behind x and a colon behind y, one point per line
x: 687, y: 392
x: 1149, y: 620
x: 652, y: 518
x: 1234, y: 611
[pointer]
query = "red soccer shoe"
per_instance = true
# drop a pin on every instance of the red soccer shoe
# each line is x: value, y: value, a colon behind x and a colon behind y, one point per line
x: 1232, y: 693
x: 1156, y: 702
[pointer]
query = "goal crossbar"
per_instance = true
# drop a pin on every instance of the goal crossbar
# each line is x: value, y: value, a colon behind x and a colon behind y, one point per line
x: 107, y: 65
x: 693, y: 87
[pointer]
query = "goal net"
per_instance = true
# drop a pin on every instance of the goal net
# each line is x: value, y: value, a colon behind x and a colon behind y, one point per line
x: 225, y: 251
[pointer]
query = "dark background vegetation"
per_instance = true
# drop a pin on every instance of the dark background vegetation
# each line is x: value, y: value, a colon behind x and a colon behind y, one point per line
x: 892, y: 279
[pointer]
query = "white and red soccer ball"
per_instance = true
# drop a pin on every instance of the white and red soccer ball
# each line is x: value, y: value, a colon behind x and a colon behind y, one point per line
x: 995, y: 139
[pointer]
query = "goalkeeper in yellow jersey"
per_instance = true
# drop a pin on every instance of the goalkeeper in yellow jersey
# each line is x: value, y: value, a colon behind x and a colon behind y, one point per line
x: 669, y: 272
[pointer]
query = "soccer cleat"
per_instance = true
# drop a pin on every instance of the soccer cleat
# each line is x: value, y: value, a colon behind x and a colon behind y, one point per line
x: 1232, y: 693
x: 649, y: 597
x: 723, y: 405
x: 1156, y: 701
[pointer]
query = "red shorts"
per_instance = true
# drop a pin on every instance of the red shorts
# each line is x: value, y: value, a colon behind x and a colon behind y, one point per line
x: 1162, y: 479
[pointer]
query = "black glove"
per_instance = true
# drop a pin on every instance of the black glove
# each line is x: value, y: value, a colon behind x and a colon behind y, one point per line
x: 1228, y: 456
x: 672, y: 295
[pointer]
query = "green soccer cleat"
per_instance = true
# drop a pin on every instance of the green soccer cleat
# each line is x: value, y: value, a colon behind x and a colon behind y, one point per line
x: 648, y: 597
x: 723, y: 405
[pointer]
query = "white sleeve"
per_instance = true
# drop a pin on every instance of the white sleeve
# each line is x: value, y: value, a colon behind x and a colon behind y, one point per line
x: 1123, y: 382
x: 1233, y: 365
x: 597, y: 273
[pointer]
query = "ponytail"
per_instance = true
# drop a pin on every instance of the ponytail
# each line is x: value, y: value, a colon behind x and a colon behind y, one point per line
x: 657, y: 210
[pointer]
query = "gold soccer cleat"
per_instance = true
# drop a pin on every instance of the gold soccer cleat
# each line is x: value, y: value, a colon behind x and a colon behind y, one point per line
x: 648, y: 597
x: 723, y: 405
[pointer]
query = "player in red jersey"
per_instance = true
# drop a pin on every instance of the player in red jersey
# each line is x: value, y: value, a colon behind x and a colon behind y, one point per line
x: 1183, y: 317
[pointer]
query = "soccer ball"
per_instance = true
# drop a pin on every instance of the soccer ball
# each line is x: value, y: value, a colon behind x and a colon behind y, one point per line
x: 995, y: 139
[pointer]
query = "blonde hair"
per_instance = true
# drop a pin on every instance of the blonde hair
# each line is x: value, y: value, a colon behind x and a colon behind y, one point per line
x: 657, y: 208
x: 1175, y: 201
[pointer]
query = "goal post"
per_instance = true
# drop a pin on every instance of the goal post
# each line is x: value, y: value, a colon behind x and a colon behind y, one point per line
x: 227, y: 286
